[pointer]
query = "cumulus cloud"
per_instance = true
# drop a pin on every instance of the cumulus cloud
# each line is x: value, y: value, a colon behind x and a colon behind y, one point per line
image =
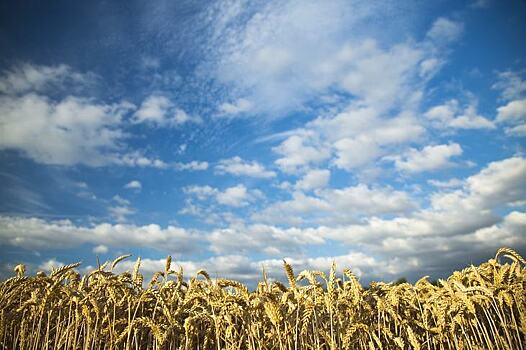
x: 200, y: 192
x: 50, y: 264
x: 451, y: 115
x: 513, y: 112
x: 239, y: 167
x: 138, y: 159
x: 71, y: 131
x: 35, y: 233
x: 313, y: 179
x: 100, y: 249
x: 134, y: 185
x: 194, y: 165
x: 367, y: 200
x: 453, y: 221
x: 160, y: 111
x: 332, y: 206
x: 353, y: 138
x: 67, y: 130
x: 153, y: 109
x: 299, y: 152
x: 270, y: 240
x: 451, y: 213
x: 235, y: 196
x: 428, y: 158
x: 459, y: 222
x: 499, y: 182
x: 518, y: 130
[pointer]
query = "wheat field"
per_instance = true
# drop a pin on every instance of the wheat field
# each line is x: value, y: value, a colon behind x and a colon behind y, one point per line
x: 482, y: 307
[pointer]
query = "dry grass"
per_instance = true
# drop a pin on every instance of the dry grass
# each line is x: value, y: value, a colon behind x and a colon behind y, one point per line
x: 480, y: 307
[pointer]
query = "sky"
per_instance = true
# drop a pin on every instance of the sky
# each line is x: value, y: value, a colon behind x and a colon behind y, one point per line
x: 385, y: 136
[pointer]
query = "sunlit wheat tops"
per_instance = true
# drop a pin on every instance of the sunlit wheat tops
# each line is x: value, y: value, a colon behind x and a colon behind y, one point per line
x: 481, y: 307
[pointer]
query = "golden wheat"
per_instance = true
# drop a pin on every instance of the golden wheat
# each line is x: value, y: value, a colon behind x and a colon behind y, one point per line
x: 481, y: 307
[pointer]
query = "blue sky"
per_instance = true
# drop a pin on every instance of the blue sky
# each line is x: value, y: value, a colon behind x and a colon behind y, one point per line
x: 388, y: 137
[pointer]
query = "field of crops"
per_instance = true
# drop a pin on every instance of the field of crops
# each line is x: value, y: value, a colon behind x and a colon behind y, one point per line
x: 482, y: 307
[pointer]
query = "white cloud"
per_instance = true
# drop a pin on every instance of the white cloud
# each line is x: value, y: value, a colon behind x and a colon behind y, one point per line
x: 100, y: 249
x: 429, y: 158
x: 513, y: 112
x: 433, y: 239
x: 355, y: 152
x: 235, y: 196
x: 134, y: 185
x: 367, y: 200
x: 450, y: 115
x: 451, y: 183
x: 297, y: 65
x: 62, y: 131
x: 519, y: 130
x: 445, y: 30
x: 122, y: 210
x: 24, y: 78
x: 180, y: 117
x: 201, y: 192
x: 50, y: 264
x: 384, y: 257
x: 35, y: 233
x: 361, y: 67
x: 451, y: 213
x: 159, y: 110
x: 138, y: 159
x: 72, y: 131
x: 313, y: 179
x: 471, y: 120
x: 511, y: 85
x: 299, y: 152
x: 499, y: 182
x: 356, y: 137
x: 332, y: 206
x: 240, y: 167
x: 153, y: 109
x: 194, y: 165
x: 270, y: 240
x: 240, y: 106
x: 284, y: 54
